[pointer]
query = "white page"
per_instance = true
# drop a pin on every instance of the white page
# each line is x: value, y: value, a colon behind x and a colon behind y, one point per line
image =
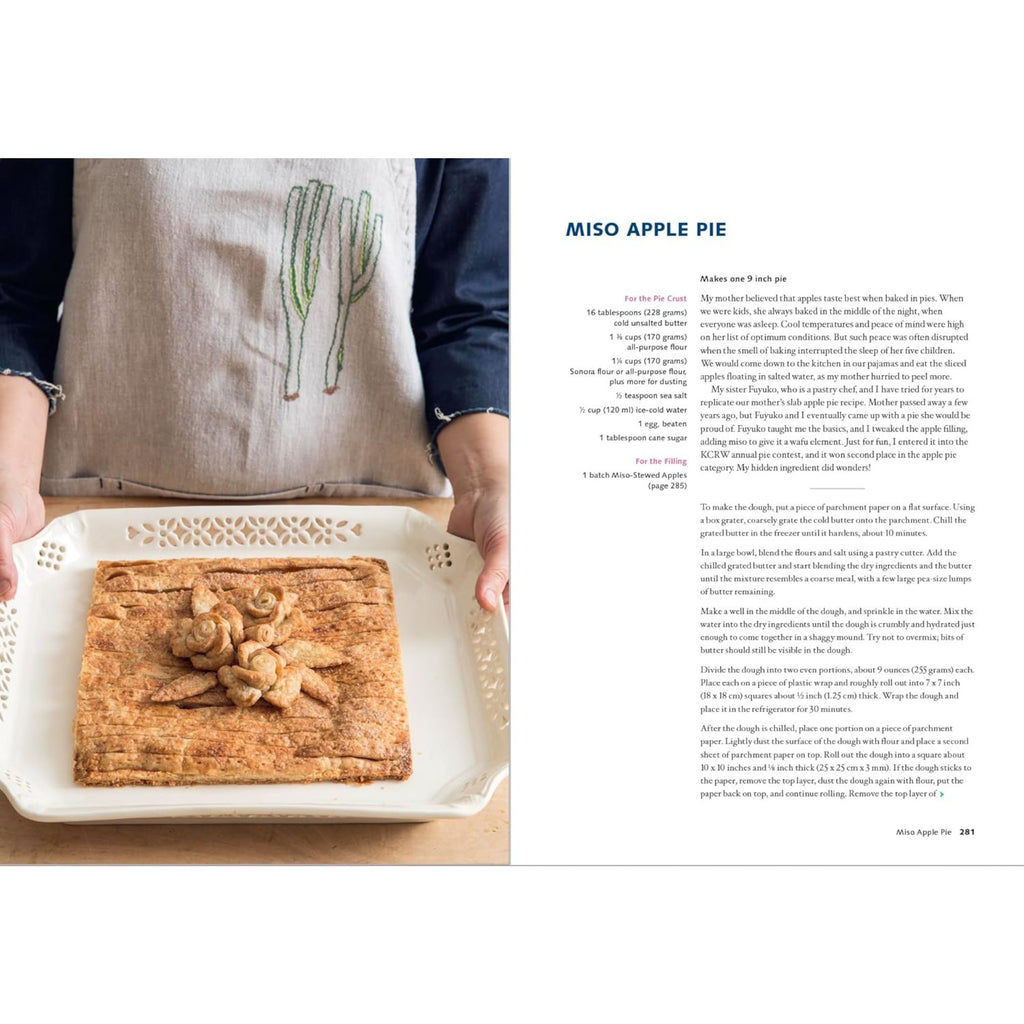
x: 608, y: 623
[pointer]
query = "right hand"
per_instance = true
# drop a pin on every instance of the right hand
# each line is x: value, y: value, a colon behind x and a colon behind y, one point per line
x: 21, y: 516
x: 23, y: 413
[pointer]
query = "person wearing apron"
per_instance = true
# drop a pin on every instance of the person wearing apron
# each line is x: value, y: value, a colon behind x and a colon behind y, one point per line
x: 257, y: 329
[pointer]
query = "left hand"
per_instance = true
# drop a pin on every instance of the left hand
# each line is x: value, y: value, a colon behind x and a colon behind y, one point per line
x: 474, y: 449
x: 483, y: 516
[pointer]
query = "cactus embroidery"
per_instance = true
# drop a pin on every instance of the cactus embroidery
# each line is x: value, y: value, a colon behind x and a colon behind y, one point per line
x: 359, y: 244
x: 305, y: 218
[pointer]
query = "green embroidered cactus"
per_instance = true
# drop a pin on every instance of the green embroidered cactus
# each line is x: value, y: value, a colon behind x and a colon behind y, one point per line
x: 304, y: 220
x: 359, y: 245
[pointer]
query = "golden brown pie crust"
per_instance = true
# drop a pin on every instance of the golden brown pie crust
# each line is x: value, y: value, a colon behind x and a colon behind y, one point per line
x: 357, y: 731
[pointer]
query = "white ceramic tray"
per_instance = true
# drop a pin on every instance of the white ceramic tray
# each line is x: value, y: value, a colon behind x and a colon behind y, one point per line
x: 455, y: 659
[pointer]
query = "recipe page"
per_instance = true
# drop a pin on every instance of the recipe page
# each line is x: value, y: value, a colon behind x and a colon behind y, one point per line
x: 769, y: 477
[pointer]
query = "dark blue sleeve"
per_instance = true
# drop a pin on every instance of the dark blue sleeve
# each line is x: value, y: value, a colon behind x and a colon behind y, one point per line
x: 35, y: 257
x: 460, y: 290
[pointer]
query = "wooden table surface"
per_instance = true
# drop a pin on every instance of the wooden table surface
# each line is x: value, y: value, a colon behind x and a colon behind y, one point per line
x: 480, y: 839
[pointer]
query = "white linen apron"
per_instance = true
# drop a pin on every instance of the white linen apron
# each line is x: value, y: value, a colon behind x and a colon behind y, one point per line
x: 240, y: 329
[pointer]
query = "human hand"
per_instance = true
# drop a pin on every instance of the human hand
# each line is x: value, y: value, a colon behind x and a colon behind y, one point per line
x: 23, y: 412
x: 21, y: 516
x: 483, y: 516
x: 474, y: 449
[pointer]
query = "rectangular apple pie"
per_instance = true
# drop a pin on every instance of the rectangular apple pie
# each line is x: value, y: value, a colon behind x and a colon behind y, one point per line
x: 254, y: 670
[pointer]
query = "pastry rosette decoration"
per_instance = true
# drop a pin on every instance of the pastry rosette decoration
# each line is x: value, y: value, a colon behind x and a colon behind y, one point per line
x: 260, y: 672
x: 210, y: 638
x: 266, y: 614
x: 243, y: 646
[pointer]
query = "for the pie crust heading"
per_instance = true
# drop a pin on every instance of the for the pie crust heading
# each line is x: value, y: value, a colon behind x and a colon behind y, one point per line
x: 141, y: 721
